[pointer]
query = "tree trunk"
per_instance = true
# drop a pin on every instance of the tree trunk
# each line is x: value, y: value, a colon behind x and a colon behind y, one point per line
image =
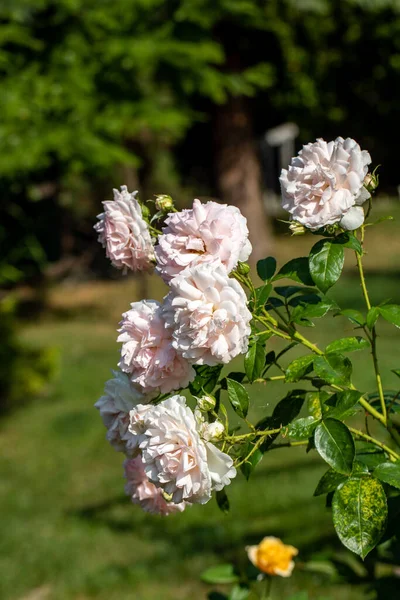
x: 238, y: 171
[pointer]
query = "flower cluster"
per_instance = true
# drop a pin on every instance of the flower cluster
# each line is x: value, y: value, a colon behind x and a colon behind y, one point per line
x: 175, y: 456
x: 203, y: 320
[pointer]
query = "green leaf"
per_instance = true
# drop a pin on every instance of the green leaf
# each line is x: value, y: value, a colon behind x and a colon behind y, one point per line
x: 359, y: 514
x: 353, y: 315
x: 304, y: 299
x: 302, y: 429
x: 329, y: 482
x: 389, y: 473
x: 274, y: 303
x: 343, y: 404
x: 262, y: 294
x: 296, y: 269
x: 348, y: 344
x: 315, y: 403
x: 248, y: 467
x: 310, y: 311
x: 396, y: 372
x: 349, y: 240
x: 335, y: 444
x: 284, y: 412
x: 333, y: 368
x: 369, y: 454
x: 238, y: 397
x: 298, y: 368
x: 326, y: 263
x: 239, y: 593
x: 289, y: 407
x: 391, y: 313
x: 372, y: 316
x: 359, y: 469
x: 286, y: 291
x: 266, y: 268
x: 220, y: 574
x: 222, y: 501
x: 254, y: 361
x: 206, y: 379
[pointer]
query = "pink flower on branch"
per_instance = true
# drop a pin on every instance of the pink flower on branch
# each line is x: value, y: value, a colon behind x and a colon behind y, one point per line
x: 143, y: 492
x: 324, y: 184
x: 208, y: 315
x: 206, y: 233
x: 124, y: 233
x: 148, y: 354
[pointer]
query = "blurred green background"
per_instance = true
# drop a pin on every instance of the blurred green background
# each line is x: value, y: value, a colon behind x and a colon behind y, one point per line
x: 166, y: 96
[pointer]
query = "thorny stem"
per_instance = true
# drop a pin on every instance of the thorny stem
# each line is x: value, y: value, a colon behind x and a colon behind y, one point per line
x: 393, y: 455
x: 242, y: 436
x: 373, y: 337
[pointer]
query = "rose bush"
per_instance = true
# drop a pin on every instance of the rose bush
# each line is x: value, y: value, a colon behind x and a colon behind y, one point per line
x: 183, y: 450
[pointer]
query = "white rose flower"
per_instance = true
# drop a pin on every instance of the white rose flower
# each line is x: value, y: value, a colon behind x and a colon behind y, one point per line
x: 124, y: 233
x: 174, y: 456
x: 324, y: 182
x: 206, y: 233
x: 119, y: 398
x: 146, y: 494
x: 208, y: 315
x: 147, y: 352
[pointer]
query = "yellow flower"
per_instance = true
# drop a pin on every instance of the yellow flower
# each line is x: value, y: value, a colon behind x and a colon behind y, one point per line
x: 273, y: 557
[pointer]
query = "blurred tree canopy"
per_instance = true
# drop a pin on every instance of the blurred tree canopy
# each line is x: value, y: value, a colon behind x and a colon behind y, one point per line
x: 93, y: 87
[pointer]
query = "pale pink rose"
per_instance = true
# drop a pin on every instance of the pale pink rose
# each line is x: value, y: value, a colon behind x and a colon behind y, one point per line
x: 324, y: 182
x: 120, y: 396
x: 208, y: 315
x: 145, y: 493
x: 206, y: 233
x: 147, y: 352
x: 124, y: 233
x: 174, y: 456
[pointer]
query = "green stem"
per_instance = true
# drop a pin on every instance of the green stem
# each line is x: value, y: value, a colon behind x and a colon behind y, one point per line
x: 373, y: 340
x: 266, y: 591
x: 243, y: 436
x: 393, y: 455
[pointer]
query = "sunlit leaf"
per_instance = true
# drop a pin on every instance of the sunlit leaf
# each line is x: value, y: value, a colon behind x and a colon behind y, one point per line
x: 360, y: 513
x: 335, y: 444
x: 348, y: 344
x: 298, y: 368
x: 326, y: 263
x: 389, y: 473
x: 238, y: 397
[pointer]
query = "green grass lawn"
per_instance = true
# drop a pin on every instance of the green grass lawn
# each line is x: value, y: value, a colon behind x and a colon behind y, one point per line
x: 69, y: 532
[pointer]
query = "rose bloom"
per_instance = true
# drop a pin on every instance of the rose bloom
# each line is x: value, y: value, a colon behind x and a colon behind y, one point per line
x: 273, y: 557
x: 208, y: 315
x: 324, y: 184
x: 124, y: 233
x: 120, y: 396
x: 147, y: 352
x: 145, y: 493
x: 174, y: 456
x: 206, y: 233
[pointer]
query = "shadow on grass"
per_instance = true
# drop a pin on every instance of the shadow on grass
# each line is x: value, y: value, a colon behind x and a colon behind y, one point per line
x: 214, y: 537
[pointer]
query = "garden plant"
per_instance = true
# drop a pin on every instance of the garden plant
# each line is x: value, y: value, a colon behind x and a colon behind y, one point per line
x: 180, y: 449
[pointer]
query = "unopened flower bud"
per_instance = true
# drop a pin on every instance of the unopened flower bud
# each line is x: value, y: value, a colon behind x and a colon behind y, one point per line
x: 243, y: 268
x: 297, y: 228
x: 371, y: 182
x: 214, y: 431
x: 206, y: 403
x: 164, y: 203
